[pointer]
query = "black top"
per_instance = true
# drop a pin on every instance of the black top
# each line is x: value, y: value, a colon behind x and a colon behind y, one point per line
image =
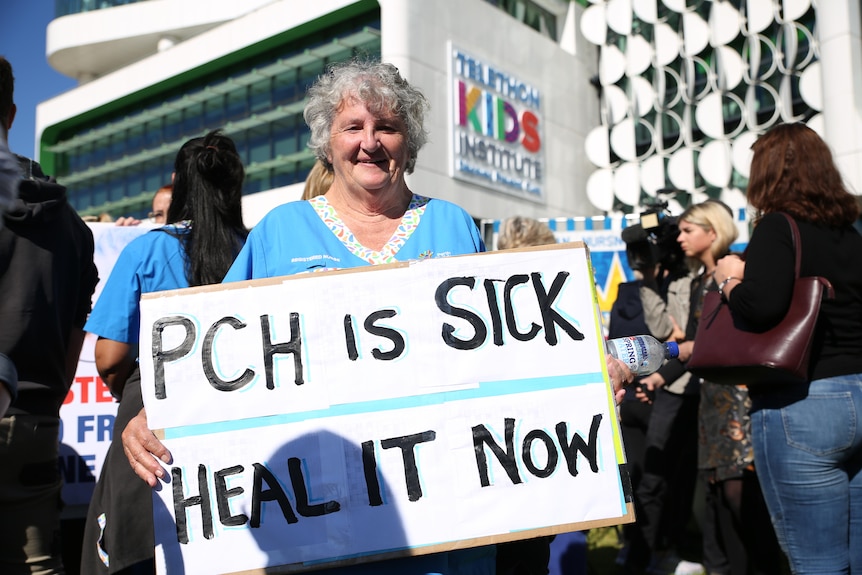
x: 764, y: 295
x: 627, y: 312
x: 47, y: 277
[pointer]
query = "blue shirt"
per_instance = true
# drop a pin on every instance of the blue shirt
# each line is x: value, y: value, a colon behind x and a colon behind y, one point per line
x: 308, y: 236
x: 152, y: 262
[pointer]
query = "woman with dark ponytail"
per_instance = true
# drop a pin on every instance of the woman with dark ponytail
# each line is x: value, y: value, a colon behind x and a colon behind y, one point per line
x: 208, y: 180
x: 204, y: 232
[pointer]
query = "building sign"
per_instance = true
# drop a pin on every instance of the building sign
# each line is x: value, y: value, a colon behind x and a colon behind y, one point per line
x: 496, y: 128
x: 417, y: 408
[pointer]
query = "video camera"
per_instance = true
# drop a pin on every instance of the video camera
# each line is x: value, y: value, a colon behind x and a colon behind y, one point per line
x: 652, y: 241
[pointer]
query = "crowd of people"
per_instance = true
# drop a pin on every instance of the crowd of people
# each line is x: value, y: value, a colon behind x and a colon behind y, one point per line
x: 772, y: 471
x: 778, y: 464
x: 701, y: 433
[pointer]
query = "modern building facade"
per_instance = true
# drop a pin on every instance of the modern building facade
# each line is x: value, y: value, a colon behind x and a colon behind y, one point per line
x: 546, y: 108
x: 511, y: 101
x: 687, y: 86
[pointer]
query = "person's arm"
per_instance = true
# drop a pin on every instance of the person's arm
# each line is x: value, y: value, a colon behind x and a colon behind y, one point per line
x: 620, y: 376
x: 669, y: 372
x: 729, y: 272
x: 678, y: 303
x: 73, y: 352
x: 656, y: 315
x: 5, y: 398
x: 142, y: 448
x: 115, y: 360
x: 9, y: 175
x: 125, y: 221
x: 8, y: 383
x: 763, y: 296
x: 115, y: 318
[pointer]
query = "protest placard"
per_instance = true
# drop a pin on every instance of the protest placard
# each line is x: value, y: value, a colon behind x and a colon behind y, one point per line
x: 88, y: 412
x: 350, y: 416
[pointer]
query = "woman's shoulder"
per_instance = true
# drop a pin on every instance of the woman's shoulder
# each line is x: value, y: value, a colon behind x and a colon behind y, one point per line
x: 289, y: 208
x: 773, y: 219
x: 155, y: 239
x: 287, y: 211
x: 775, y: 227
x: 444, y: 208
x: 773, y: 224
x: 157, y: 249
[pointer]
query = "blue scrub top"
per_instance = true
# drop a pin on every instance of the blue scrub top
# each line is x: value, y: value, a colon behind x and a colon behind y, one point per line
x: 308, y: 236
x: 152, y: 262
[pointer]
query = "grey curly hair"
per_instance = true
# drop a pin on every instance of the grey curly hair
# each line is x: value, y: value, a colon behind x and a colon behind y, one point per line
x: 380, y: 87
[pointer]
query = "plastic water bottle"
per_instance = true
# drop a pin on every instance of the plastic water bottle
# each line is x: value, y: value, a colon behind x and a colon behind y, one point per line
x: 643, y: 354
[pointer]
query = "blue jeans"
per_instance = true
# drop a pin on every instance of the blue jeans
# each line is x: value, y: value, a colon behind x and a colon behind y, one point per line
x: 808, y: 455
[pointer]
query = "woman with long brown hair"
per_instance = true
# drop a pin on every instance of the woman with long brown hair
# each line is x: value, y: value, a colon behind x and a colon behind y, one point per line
x: 807, y: 437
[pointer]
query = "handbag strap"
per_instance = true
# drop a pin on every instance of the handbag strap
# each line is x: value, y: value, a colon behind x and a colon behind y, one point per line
x: 797, y: 242
x: 828, y: 290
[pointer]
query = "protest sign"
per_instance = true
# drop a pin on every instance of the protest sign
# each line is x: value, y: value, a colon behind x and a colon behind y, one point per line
x: 88, y: 412
x: 349, y: 416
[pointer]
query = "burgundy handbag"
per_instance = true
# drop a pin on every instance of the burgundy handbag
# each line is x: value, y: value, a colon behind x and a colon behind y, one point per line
x: 728, y: 351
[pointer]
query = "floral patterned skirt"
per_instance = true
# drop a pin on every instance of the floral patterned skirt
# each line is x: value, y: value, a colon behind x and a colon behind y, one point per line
x: 724, y: 431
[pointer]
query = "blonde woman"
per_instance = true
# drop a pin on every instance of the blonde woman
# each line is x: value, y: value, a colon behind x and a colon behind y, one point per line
x: 318, y: 181
x: 737, y: 536
x: 520, y: 231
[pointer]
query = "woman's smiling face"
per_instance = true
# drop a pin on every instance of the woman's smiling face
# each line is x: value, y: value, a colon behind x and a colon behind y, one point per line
x: 366, y: 149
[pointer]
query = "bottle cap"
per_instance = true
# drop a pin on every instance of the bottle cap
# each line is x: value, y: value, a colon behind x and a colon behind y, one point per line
x: 672, y: 350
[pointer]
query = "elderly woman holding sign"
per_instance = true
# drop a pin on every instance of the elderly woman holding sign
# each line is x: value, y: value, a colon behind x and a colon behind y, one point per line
x: 367, y: 128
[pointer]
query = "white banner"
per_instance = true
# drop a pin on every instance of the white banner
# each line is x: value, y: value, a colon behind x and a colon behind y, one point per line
x: 88, y: 412
x: 341, y: 417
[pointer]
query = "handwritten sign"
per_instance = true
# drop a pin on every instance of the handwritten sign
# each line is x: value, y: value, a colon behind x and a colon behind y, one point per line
x: 350, y: 416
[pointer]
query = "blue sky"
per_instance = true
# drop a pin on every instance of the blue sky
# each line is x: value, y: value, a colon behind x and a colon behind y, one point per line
x: 22, y: 42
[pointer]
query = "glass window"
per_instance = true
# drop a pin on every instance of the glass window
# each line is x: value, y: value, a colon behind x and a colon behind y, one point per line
x: 134, y: 181
x: 76, y: 162
x: 261, y: 96
x: 285, y: 136
x: 173, y: 126
x: 116, y: 187
x: 100, y: 192
x: 530, y: 14
x: 236, y: 105
x: 100, y: 154
x: 286, y: 175
x: 171, y: 117
x: 66, y: 7
x: 79, y: 199
x: 153, y: 178
x: 259, y: 145
x: 256, y: 183
x: 135, y: 140
x: 118, y: 146
x: 308, y: 74
x: 153, y: 133
x: 284, y: 87
x: 304, y: 137
x: 193, y: 120
x: 214, y: 113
